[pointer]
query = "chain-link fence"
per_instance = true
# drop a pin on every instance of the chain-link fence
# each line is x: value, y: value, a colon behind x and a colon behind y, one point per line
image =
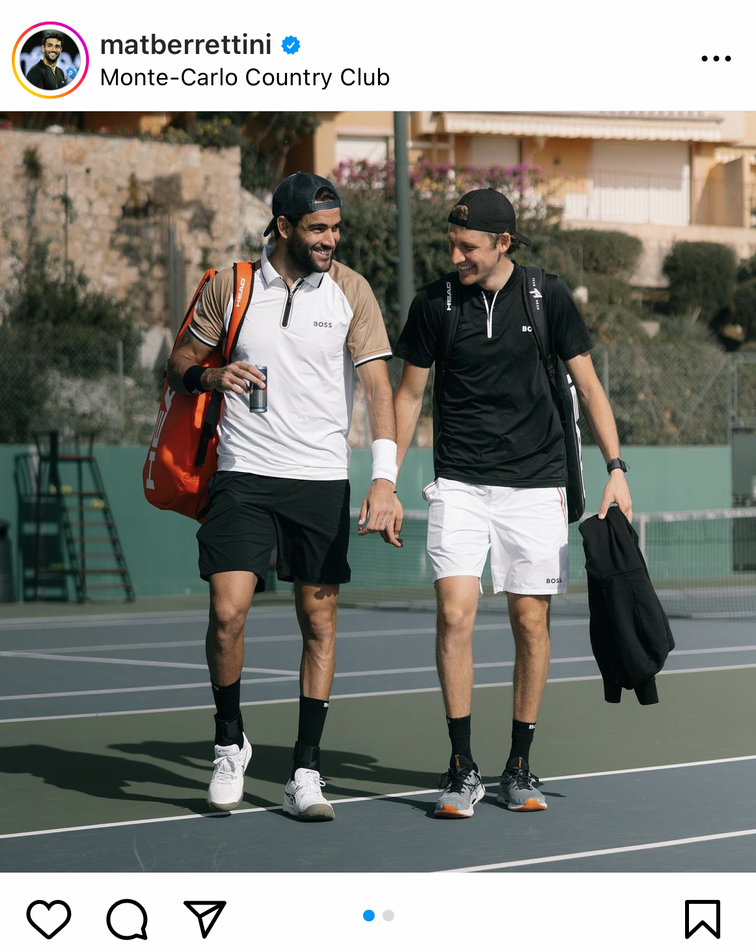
x: 662, y: 393
x: 75, y: 379
x: 80, y: 378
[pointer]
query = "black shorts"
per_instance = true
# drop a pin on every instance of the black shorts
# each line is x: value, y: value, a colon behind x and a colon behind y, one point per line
x: 249, y: 515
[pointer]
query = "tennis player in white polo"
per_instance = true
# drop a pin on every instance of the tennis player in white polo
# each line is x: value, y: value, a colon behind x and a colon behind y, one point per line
x: 499, y: 462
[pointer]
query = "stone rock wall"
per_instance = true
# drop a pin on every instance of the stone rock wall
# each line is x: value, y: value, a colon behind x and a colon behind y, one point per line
x: 142, y: 219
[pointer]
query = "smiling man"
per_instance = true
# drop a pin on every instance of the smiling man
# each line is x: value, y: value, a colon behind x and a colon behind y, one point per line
x: 46, y: 74
x: 282, y: 473
x: 499, y: 462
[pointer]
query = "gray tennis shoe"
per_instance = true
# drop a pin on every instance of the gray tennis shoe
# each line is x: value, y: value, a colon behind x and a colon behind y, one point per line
x: 517, y: 789
x: 462, y: 788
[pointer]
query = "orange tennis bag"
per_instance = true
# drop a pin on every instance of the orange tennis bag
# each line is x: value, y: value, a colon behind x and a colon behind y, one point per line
x: 183, y: 453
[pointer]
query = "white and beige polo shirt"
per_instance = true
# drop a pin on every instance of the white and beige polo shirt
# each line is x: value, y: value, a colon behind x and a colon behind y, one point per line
x: 310, y: 337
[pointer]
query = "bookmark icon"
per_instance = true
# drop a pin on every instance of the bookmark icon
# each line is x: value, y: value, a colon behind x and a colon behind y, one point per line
x: 704, y: 913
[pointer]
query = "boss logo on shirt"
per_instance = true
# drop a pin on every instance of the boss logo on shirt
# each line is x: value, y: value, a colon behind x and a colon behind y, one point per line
x: 553, y: 581
x: 322, y: 324
x: 526, y: 328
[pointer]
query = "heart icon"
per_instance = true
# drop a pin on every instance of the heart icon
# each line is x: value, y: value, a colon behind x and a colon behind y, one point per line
x: 49, y: 920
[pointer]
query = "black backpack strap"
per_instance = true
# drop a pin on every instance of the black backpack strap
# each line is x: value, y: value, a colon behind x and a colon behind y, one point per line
x: 536, y: 286
x: 444, y: 344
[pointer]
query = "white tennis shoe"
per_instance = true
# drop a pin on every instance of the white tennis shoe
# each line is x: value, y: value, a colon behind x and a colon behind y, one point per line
x: 303, y: 798
x: 226, y: 789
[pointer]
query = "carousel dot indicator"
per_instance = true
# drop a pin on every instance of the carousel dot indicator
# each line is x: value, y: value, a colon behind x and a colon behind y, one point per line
x: 368, y: 915
x: 388, y: 915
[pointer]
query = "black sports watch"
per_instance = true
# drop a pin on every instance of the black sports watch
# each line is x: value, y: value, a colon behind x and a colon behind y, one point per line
x: 616, y: 464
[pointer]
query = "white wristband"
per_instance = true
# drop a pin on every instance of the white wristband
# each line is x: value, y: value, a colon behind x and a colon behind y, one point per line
x: 384, y: 460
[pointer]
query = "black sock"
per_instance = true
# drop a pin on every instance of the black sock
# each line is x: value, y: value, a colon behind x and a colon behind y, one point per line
x: 522, y: 738
x: 459, y: 735
x: 312, y: 717
x: 229, y: 728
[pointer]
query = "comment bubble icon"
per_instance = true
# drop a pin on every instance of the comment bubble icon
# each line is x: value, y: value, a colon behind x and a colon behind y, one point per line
x: 127, y: 919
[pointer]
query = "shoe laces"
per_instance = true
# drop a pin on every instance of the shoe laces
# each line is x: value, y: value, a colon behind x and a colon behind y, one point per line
x: 521, y: 776
x: 308, y: 778
x: 227, y: 765
x: 455, y: 780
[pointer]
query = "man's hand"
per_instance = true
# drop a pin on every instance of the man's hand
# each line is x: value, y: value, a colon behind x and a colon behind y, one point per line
x: 391, y: 533
x: 618, y: 491
x: 239, y: 377
x: 377, y: 512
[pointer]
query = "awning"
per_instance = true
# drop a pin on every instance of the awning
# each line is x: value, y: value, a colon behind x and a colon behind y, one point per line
x: 639, y: 126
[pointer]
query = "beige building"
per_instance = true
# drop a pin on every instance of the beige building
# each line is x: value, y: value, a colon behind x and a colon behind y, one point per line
x: 664, y: 176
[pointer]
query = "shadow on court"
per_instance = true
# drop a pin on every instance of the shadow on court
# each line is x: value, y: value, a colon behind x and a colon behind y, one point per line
x: 347, y: 773
x: 151, y: 764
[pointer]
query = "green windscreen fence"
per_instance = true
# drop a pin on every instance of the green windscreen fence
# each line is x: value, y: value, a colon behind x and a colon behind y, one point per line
x: 702, y: 565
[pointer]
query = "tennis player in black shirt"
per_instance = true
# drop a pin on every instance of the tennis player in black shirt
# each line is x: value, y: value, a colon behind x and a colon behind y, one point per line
x: 499, y: 462
x: 46, y: 74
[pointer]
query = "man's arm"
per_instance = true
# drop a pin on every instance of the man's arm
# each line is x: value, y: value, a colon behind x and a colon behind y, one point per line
x: 598, y: 413
x: 377, y: 512
x: 408, y: 403
x: 191, y: 352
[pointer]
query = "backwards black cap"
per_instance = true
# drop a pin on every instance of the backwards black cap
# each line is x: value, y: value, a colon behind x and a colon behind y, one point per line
x: 488, y: 210
x: 295, y: 196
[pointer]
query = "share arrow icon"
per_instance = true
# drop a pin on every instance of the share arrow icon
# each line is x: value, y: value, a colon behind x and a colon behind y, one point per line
x: 207, y: 914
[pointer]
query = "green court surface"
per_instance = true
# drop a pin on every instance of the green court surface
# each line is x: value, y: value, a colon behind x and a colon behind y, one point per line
x: 106, y: 724
x: 90, y: 770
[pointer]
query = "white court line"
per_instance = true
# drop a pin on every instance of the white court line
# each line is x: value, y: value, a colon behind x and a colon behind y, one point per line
x: 346, y: 697
x: 502, y: 626
x: 125, y: 619
x: 43, y: 656
x: 588, y: 854
x: 371, y: 798
x: 294, y: 675
x: 289, y: 676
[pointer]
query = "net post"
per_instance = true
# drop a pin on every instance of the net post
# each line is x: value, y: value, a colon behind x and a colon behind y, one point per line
x: 642, y: 521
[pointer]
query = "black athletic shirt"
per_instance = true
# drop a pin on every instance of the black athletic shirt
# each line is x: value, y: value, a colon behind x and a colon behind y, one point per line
x: 499, y: 426
x: 43, y: 77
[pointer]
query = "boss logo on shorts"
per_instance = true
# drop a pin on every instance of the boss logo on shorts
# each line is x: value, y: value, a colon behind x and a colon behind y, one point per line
x: 553, y: 581
x: 322, y: 324
x: 527, y: 329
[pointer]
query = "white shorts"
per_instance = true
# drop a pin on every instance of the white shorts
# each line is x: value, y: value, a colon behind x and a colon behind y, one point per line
x: 525, y: 529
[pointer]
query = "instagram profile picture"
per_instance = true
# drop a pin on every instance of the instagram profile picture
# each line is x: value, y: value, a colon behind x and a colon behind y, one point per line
x: 50, y: 60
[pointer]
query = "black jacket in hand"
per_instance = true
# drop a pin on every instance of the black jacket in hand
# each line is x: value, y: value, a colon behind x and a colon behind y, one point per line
x: 630, y: 634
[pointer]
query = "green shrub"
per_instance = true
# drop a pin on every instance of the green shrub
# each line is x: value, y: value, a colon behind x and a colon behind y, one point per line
x: 747, y: 269
x: 607, y: 252
x: 607, y: 289
x: 744, y: 308
x: 701, y: 276
x: 53, y: 326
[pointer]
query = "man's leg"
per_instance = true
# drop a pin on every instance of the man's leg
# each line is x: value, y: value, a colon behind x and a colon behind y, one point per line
x: 529, y: 616
x: 316, y: 612
x: 457, y: 605
x: 230, y: 599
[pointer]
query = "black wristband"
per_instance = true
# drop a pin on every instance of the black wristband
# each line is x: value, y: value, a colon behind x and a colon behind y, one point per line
x: 192, y: 380
x: 616, y: 463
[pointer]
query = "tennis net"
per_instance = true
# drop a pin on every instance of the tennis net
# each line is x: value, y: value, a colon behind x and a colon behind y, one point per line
x: 702, y: 565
